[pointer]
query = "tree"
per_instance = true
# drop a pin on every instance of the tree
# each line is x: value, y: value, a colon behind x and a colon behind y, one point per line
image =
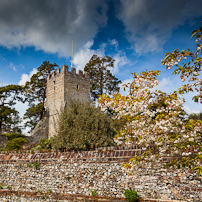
x: 101, y: 79
x: 160, y: 132
x: 83, y: 126
x: 16, y: 143
x: 35, y: 92
x: 195, y: 116
x: 8, y: 115
x: 189, y: 69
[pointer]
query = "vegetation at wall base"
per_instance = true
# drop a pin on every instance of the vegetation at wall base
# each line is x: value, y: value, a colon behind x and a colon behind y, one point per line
x: 36, y: 165
x: 44, y: 144
x: 93, y: 192
x: 131, y: 195
x: 15, y: 142
x: 83, y: 126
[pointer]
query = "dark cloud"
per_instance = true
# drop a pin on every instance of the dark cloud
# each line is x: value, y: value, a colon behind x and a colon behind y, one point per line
x: 149, y: 24
x: 50, y: 25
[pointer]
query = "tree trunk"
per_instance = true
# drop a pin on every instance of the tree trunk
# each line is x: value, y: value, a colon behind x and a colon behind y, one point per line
x: 0, y: 127
x: 101, y: 80
x: 44, y: 97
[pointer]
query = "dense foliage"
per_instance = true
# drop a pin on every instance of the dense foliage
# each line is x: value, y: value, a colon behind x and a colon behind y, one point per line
x: 131, y: 195
x: 83, y: 126
x: 195, y: 116
x: 154, y: 121
x: 35, y: 92
x: 16, y: 141
x: 189, y: 66
x: 101, y: 78
x: 154, y: 118
x: 44, y: 144
x: 9, y: 116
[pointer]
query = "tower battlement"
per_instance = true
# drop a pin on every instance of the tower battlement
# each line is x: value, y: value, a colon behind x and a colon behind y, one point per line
x: 64, y: 70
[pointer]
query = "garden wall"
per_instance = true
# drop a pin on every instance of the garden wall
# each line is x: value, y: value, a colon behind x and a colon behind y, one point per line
x: 101, y: 170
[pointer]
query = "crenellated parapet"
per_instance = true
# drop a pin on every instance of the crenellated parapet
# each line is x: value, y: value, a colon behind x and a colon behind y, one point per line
x: 65, y: 71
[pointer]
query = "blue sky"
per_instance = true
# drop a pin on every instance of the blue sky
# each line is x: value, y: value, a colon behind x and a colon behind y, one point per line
x: 136, y: 33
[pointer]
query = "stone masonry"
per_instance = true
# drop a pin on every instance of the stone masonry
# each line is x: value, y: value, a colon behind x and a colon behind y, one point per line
x: 101, y: 170
x: 62, y: 88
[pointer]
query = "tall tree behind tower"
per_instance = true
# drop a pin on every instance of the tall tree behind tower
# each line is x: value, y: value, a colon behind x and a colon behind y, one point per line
x: 35, y: 91
x: 101, y: 79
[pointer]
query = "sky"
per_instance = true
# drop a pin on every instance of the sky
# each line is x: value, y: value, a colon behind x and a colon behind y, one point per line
x: 136, y: 33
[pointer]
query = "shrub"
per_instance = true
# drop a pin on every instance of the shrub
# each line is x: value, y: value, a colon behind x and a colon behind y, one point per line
x: 13, y: 135
x: 93, y: 192
x: 9, y: 187
x: 83, y: 126
x: 130, y: 195
x: 16, y: 143
x: 44, y: 144
x: 36, y: 165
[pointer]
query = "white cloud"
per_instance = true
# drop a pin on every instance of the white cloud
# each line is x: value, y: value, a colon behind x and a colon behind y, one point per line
x: 190, y: 110
x: 166, y: 85
x: 120, y: 61
x: 26, y: 77
x: 84, y: 54
x: 12, y: 66
x: 50, y: 25
x: 114, y: 42
x: 149, y: 24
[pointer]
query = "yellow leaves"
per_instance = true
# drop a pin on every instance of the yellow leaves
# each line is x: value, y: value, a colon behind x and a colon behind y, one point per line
x: 194, y: 33
x: 199, y: 170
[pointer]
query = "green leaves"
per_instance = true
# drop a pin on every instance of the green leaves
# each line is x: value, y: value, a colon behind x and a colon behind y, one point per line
x: 35, y: 92
x: 16, y: 143
x: 194, y: 33
x: 83, y: 126
x: 8, y: 115
x: 101, y: 79
x: 188, y: 63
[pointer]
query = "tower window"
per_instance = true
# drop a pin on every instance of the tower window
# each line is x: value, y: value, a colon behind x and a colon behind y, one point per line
x: 77, y: 87
x: 54, y: 84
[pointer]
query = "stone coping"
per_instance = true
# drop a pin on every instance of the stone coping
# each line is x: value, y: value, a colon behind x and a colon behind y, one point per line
x: 79, y: 156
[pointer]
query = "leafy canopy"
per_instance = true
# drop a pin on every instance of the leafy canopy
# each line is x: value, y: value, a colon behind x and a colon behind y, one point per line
x: 9, y: 116
x: 101, y: 78
x: 189, y: 66
x: 154, y: 117
x: 154, y: 122
x: 83, y: 126
x: 35, y: 92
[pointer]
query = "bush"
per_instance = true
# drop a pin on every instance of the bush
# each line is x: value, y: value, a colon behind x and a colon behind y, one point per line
x: 13, y: 135
x: 36, y: 165
x: 130, y: 195
x: 16, y: 143
x: 83, y: 126
x: 44, y: 144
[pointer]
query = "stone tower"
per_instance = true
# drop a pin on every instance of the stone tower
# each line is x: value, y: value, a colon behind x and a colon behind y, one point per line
x: 62, y: 88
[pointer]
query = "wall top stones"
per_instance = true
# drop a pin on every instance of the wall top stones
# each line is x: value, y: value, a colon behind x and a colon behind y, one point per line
x: 85, y: 156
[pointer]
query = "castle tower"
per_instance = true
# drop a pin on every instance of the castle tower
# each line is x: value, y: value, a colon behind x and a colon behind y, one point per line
x: 62, y: 87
